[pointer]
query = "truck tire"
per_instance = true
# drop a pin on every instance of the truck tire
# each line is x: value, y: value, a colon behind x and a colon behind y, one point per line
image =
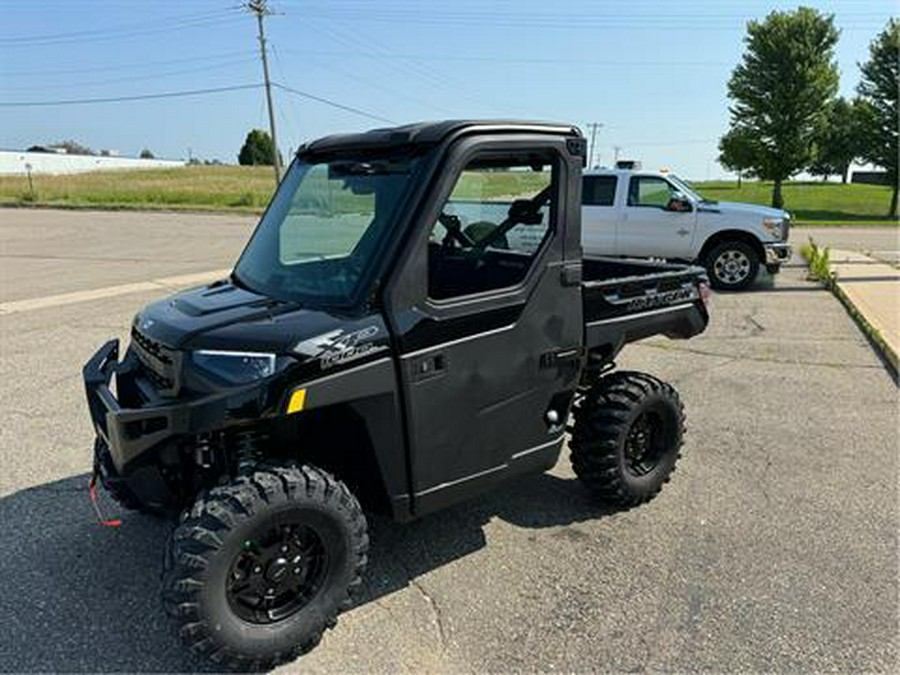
x: 732, y: 265
x: 258, y: 569
x: 627, y: 437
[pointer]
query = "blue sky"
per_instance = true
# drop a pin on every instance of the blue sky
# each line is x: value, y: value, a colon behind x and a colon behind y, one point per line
x: 653, y: 73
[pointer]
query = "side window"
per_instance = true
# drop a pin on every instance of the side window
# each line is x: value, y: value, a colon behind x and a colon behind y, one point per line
x: 492, y: 226
x: 599, y: 190
x: 649, y: 191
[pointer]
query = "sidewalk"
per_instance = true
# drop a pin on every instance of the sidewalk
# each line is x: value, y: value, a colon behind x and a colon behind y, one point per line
x: 872, y: 288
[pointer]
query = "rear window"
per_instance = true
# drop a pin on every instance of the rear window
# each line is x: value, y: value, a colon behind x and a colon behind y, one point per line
x: 598, y: 190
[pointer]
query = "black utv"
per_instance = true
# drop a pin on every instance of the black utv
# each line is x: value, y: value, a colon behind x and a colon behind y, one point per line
x: 412, y: 322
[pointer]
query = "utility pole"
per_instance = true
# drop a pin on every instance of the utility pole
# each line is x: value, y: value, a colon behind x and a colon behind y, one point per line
x: 618, y: 149
x: 259, y: 8
x: 593, y: 126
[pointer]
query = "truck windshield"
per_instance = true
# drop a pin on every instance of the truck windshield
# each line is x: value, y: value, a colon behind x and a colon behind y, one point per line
x: 323, y: 229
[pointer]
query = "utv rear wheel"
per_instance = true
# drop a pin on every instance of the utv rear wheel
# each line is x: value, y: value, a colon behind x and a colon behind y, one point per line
x: 732, y: 265
x: 627, y: 437
x: 258, y: 569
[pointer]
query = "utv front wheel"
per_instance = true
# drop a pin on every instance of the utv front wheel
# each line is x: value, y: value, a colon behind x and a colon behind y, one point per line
x: 258, y: 569
x: 627, y: 437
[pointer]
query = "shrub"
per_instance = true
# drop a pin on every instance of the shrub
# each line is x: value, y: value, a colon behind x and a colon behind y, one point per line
x: 819, y: 262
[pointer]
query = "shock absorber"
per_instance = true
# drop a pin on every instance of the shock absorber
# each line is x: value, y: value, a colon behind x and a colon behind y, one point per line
x: 247, y: 448
x: 203, y: 455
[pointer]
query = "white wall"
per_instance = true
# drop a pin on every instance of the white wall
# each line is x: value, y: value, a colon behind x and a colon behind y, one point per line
x: 12, y: 162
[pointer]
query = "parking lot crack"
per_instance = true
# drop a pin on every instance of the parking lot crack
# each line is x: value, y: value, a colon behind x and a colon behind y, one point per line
x: 436, y: 612
x: 765, y: 359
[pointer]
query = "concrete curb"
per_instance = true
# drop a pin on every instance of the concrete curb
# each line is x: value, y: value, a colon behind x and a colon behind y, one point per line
x: 871, y: 326
x: 873, y: 334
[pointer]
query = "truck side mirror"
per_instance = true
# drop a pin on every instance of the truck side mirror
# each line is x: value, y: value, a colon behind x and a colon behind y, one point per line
x: 680, y: 205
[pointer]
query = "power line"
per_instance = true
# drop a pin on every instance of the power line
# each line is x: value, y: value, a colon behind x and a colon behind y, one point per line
x: 169, y: 21
x: 333, y: 104
x: 120, y: 99
x: 439, y: 81
x: 373, y: 83
x: 435, y: 56
x: 507, y: 19
x: 195, y: 92
x: 136, y: 78
x: 108, y: 36
x: 127, y: 66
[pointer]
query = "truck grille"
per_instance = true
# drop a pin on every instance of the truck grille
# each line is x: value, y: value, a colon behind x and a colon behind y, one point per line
x: 161, y: 365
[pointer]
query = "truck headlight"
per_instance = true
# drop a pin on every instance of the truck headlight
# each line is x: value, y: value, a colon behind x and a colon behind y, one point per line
x: 773, y: 226
x: 236, y: 367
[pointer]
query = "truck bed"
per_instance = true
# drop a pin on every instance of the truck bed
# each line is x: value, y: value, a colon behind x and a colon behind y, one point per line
x: 627, y: 300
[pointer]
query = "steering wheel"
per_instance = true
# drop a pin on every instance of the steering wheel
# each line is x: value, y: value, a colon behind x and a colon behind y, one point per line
x: 455, y: 233
x: 521, y: 211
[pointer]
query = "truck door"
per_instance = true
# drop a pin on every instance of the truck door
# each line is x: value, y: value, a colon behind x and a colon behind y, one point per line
x: 599, y: 215
x: 648, y: 227
x: 487, y: 320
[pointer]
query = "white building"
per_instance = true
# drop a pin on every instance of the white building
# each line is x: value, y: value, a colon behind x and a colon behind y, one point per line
x: 19, y: 163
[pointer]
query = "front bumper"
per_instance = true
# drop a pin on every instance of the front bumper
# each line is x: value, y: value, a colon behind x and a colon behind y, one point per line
x: 132, y: 426
x: 777, y: 253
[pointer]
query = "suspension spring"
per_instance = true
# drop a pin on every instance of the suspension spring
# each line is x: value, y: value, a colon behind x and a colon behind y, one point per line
x: 247, y: 449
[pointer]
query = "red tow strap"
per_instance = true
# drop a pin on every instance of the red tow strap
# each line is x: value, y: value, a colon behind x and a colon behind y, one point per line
x: 92, y: 490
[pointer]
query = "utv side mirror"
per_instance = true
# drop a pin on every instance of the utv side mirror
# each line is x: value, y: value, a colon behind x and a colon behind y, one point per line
x: 680, y: 205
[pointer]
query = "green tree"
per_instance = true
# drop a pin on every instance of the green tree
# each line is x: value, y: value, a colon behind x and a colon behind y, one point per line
x: 146, y: 154
x: 781, y: 89
x: 840, y: 139
x: 736, y: 152
x: 878, y: 87
x: 257, y: 149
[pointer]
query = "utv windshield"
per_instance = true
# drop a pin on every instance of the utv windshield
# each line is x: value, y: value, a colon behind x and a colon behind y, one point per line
x: 324, y: 228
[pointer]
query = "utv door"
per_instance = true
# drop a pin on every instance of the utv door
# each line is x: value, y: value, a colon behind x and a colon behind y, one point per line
x: 490, y: 336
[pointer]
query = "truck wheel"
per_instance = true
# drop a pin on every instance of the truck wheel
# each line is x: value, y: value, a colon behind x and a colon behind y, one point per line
x: 258, y: 569
x: 627, y: 437
x: 732, y: 265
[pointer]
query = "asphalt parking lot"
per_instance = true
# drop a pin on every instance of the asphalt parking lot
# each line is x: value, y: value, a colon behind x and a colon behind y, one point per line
x: 775, y: 546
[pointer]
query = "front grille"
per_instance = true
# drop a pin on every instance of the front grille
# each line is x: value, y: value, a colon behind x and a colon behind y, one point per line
x: 151, y: 347
x: 161, y: 365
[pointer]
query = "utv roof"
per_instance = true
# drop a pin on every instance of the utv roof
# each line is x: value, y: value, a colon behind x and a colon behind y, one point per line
x: 426, y: 133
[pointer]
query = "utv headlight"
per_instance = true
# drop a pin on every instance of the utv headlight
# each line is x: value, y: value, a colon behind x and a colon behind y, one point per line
x: 773, y: 225
x: 236, y: 367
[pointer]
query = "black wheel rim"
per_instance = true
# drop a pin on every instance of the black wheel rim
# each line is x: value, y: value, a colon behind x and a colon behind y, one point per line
x: 277, y: 572
x: 644, y: 444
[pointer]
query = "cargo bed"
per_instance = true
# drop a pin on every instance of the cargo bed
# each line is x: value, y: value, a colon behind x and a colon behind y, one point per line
x: 626, y: 300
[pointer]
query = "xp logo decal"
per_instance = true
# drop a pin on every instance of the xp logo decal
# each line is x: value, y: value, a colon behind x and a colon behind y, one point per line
x: 338, y: 347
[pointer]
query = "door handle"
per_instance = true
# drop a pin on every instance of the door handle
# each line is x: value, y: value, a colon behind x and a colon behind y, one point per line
x: 683, y: 232
x: 560, y: 356
x: 428, y: 367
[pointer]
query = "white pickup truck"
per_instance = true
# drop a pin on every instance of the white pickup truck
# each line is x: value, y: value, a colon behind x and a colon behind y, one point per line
x: 638, y: 213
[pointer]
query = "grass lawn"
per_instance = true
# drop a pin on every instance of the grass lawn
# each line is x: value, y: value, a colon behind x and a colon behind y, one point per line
x: 227, y: 188
x: 814, y: 202
x: 238, y: 188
